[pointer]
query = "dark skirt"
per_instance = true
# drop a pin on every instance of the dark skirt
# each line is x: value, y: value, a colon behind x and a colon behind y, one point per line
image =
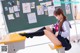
x: 65, y: 42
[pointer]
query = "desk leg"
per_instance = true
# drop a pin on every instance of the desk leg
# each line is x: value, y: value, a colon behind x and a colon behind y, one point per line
x: 14, y: 47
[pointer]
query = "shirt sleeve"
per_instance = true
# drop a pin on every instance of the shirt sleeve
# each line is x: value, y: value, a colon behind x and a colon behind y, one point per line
x: 66, y: 29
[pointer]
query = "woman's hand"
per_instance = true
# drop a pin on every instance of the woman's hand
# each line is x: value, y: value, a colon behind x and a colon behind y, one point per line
x: 56, y: 33
x: 48, y: 28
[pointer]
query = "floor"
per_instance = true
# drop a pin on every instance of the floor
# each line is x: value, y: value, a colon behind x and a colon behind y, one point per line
x: 46, y: 49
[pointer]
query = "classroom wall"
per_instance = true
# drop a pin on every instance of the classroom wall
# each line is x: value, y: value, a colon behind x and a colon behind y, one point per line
x: 77, y: 11
x: 2, y: 23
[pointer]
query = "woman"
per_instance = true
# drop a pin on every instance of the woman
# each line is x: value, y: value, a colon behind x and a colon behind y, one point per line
x: 58, y: 35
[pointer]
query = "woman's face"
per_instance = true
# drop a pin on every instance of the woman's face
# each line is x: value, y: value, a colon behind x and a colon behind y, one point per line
x: 59, y: 17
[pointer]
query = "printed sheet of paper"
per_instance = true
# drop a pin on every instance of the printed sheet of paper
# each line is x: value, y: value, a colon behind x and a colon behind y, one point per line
x: 10, y: 17
x: 26, y: 7
x: 48, y: 3
x: 57, y: 3
x: 16, y: 8
x: 18, y: 2
x: 44, y: 6
x: 51, y: 10
x: 67, y: 7
x: 11, y: 10
x: 40, y: 10
x: 17, y: 14
x: 33, y: 5
x: 6, y: 8
x: 32, y: 18
x: 40, y: 0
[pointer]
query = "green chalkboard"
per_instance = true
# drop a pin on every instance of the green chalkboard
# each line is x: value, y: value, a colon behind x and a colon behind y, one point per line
x: 21, y: 23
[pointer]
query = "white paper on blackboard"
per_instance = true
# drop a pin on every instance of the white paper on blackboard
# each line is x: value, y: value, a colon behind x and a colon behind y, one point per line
x: 26, y: 7
x: 11, y: 10
x: 51, y: 10
x: 40, y: 10
x: 10, y: 17
x: 32, y: 18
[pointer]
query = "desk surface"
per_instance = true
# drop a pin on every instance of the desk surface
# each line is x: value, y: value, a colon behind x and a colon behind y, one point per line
x: 12, y: 38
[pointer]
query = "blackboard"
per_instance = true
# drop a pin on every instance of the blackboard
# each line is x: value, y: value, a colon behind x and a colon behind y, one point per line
x: 21, y: 23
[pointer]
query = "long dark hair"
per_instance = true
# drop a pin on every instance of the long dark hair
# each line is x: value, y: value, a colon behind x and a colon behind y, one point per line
x: 59, y: 11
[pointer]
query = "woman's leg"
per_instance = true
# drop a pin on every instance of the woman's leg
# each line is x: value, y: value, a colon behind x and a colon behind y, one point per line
x: 52, y: 37
x: 40, y: 32
x: 52, y: 30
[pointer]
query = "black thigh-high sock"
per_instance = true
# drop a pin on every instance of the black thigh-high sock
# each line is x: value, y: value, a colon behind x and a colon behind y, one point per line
x: 54, y: 31
x: 40, y: 32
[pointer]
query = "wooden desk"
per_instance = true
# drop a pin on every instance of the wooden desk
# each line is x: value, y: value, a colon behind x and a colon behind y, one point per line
x: 14, y: 42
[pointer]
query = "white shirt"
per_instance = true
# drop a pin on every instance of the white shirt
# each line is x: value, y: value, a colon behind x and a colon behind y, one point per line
x: 66, y: 29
